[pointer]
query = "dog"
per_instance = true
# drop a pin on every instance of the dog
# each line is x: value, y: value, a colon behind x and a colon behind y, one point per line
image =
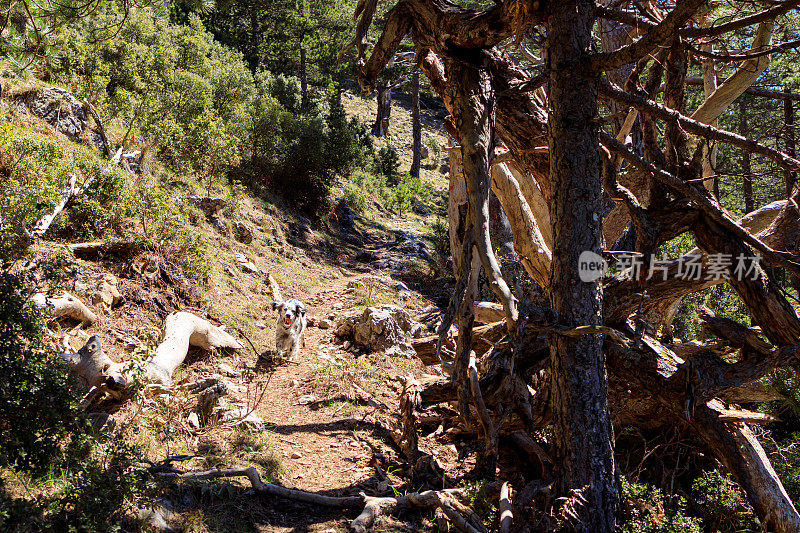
x: 290, y: 328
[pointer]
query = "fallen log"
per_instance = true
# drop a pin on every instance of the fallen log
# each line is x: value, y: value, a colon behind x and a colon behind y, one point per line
x: 67, y: 305
x: 91, y: 249
x: 68, y: 194
x: 182, y: 329
x: 97, y: 370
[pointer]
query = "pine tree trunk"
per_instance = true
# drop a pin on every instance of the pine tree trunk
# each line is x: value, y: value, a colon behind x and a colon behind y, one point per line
x: 747, y: 173
x: 788, y: 118
x: 416, y: 125
x: 584, y: 437
x: 303, y: 82
x: 381, y: 126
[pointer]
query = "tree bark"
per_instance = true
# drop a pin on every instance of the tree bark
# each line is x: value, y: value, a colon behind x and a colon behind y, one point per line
x: 790, y: 177
x: 381, y: 126
x: 416, y: 126
x: 583, y: 434
x: 303, y: 82
x: 747, y: 172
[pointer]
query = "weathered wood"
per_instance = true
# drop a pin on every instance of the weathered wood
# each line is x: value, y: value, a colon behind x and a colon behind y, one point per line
x: 65, y: 304
x: 41, y: 227
x: 182, y: 329
x: 483, y: 338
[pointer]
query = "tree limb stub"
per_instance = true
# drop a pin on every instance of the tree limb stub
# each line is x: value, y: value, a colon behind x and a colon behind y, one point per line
x: 67, y: 305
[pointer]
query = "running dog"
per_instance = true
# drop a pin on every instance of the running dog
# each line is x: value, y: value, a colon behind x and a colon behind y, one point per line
x: 290, y: 328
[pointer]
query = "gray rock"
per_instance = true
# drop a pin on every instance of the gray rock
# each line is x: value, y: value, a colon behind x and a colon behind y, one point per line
x: 324, y: 324
x: 386, y: 328
x: 58, y: 107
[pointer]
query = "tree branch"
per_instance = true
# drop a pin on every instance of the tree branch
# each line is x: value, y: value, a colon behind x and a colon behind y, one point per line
x: 647, y: 43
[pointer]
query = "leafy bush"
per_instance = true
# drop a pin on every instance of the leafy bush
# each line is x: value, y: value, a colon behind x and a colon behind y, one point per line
x: 97, y: 494
x: 354, y: 197
x: 185, y: 92
x: 647, y: 512
x: 724, y: 506
x: 440, y: 236
x: 387, y: 163
x: 298, y: 155
x: 408, y: 191
x: 39, y: 414
x: 289, y: 153
x: 342, y: 146
x: 435, y: 149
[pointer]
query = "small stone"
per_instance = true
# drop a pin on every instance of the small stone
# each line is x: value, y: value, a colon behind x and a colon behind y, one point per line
x: 383, y: 486
x: 355, y: 284
x: 299, y: 476
x: 294, y: 383
x: 338, y: 305
x: 335, y: 445
x: 325, y: 324
x: 311, y: 321
x: 307, y: 399
x: 193, y: 420
x: 227, y: 370
x: 230, y: 272
x: 347, y: 345
x: 260, y: 325
x: 249, y: 267
x: 354, y: 444
x: 296, y: 455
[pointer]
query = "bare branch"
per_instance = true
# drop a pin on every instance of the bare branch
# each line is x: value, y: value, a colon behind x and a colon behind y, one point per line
x: 704, y: 201
x: 647, y: 43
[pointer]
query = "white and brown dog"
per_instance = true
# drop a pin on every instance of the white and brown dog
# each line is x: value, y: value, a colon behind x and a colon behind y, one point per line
x: 290, y: 328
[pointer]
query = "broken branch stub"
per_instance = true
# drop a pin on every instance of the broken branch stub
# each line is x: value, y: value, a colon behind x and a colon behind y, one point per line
x: 67, y: 305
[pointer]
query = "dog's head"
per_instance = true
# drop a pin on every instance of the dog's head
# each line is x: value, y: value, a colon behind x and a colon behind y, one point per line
x: 289, y: 311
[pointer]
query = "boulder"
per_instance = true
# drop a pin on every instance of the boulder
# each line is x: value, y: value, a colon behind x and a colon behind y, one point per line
x: 105, y: 294
x: 243, y: 231
x: 58, y: 108
x: 386, y: 328
x: 209, y: 205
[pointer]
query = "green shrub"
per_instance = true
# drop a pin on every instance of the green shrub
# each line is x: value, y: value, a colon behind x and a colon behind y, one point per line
x: 434, y: 148
x: 342, y: 147
x: 355, y: 198
x: 409, y: 190
x: 647, y: 512
x: 186, y: 93
x: 40, y: 419
x: 387, y: 164
x: 724, y: 506
x: 298, y: 155
x: 440, y: 236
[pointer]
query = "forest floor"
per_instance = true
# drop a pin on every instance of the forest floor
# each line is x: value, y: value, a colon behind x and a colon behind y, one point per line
x: 326, y: 415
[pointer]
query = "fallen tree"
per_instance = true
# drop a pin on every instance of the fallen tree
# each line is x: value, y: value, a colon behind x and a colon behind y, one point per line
x: 181, y: 329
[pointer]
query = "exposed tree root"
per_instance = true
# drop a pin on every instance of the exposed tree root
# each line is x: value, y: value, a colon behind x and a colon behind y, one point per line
x: 372, y: 507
